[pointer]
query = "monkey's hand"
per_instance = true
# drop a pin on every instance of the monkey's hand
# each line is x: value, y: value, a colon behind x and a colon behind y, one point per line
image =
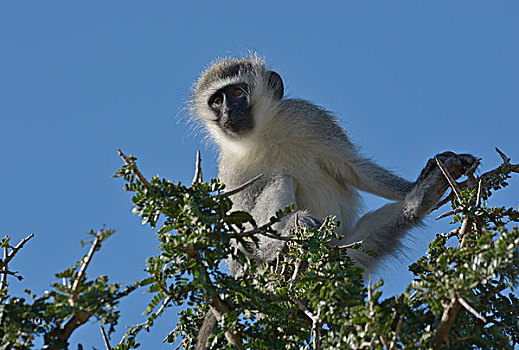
x: 432, y: 184
x: 271, y: 249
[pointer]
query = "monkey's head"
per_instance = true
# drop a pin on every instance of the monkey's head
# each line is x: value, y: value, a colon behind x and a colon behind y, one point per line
x: 234, y: 98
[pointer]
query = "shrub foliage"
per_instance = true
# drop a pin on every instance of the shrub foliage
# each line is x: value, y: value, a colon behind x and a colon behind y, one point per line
x: 312, y: 297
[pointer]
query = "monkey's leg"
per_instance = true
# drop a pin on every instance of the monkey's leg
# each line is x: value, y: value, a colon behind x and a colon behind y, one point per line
x: 278, y: 194
x: 381, y: 230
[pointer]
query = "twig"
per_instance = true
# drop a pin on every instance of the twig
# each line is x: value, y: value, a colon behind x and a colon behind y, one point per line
x: 470, y: 309
x: 242, y: 187
x: 259, y: 231
x: 506, y: 160
x: 162, y: 287
x: 449, y: 213
x: 165, y: 302
x: 478, y: 197
x: 316, y: 329
x: 349, y: 245
x: 198, y: 169
x: 449, y: 177
x: 514, y: 168
x: 372, y: 310
x: 84, y: 265
x: 397, y: 331
x: 253, y: 231
x: 15, y: 250
x: 134, y: 168
x: 164, y: 305
x: 472, y: 170
x: 9, y: 256
x: 3, y: 281
x: 453, y: 233
x: 105, y: 338
x: 471, y: 181
x: 444, y: 201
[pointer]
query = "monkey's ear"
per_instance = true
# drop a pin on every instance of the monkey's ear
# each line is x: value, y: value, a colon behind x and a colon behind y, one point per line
x: 276, y: 84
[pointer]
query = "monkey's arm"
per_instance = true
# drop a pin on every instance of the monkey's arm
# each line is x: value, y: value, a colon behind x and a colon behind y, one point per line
x: 345, y: 165
x: 382, y: 229
x: 370, y: 177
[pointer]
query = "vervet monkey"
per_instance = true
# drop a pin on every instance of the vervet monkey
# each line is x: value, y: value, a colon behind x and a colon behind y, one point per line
x: 306, y: 159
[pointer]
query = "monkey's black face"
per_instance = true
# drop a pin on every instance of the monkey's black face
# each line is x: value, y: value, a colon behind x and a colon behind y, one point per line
x: 231, y: 106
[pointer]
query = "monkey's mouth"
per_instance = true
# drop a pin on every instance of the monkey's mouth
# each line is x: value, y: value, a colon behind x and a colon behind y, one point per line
x: 233, y: 125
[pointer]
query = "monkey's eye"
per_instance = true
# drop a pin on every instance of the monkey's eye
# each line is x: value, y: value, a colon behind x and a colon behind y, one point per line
x: 217, y: 100
x: 238, y: 92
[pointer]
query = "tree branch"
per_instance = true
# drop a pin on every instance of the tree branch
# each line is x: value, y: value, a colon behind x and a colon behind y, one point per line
x: 397, y: 331
x: 9, y: 256
x: 449, y: 213
x: 449, y: 177
x: 84, y: 265
x: 514, y: 168
x: 316, y: 322
x: 80, y: 317
x: 450, y: 309
x: 371, y: 304
x: 219, y: 307
x: 105, y: 338
x: 131, y: 164
x: 349, y: 245
x: 242, y: 187
x: 471, y: 309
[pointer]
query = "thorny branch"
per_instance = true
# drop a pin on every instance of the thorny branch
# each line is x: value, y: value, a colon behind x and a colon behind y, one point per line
x: 449, y: 177
x: 260, y: 231
x: 80, y: 316
x: 8, y: 256
x: 133, y: 166
x: 84, y: 265
x: 471, y: 181
x: 450, y: 306
x: 218, y: 306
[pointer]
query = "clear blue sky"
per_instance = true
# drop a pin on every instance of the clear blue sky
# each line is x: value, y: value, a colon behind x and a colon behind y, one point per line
x: 78, y: 80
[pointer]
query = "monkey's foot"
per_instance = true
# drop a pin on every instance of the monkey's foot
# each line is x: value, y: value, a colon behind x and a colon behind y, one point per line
x: 432, y: 184
x: 456, y: 164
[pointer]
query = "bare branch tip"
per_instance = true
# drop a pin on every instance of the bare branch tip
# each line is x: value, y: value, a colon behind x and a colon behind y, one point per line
x: 503, y: 156
x: 198, y: 168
